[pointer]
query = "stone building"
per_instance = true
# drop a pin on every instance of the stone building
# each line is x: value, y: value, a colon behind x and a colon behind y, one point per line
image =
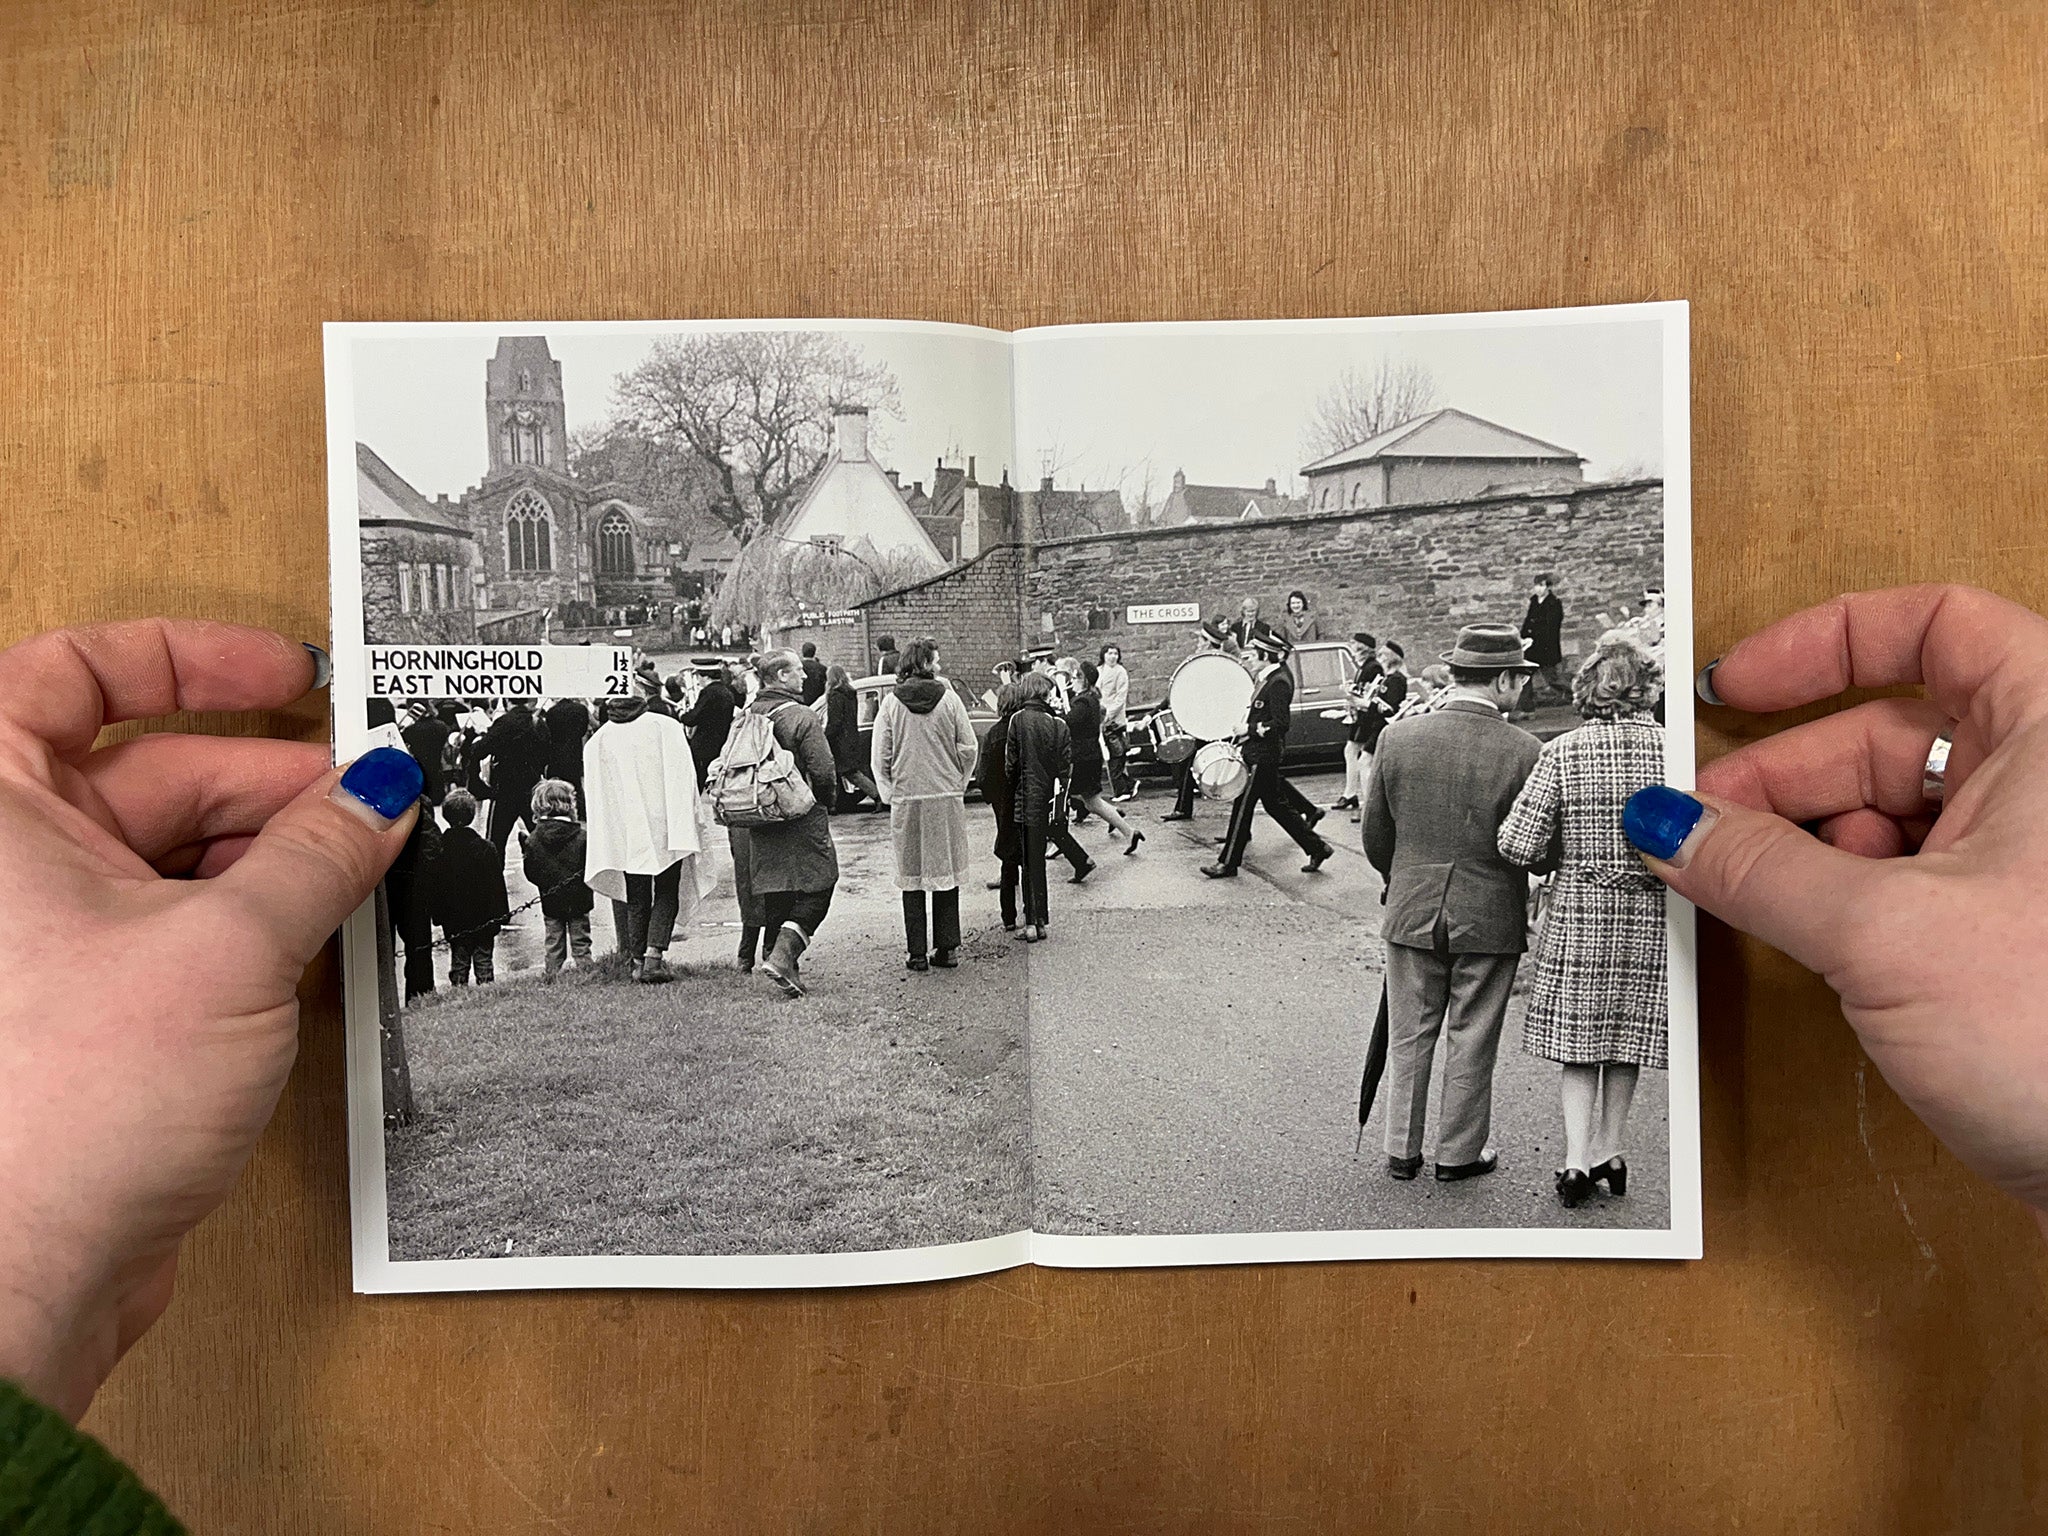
x: 419, y: 567
x: 546, y: 537
x: 1438, y: 457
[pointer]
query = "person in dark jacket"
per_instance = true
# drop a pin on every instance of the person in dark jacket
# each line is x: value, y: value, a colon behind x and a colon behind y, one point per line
x: 1038, y: 762
x: 1085, y: 728
x: 469, y: 892
x: 992, y: 778
x: 1543, y: 628
x: 886, y: 655
x: 518, y: 750
x: 709, y: 721
x: 553, y: 860
x: 409, y: 890
x: 426, y: 736
x: 1265, y: 743
x: 842, y: 734
x: 814, y: 673
x: 566, y: 724
x: 792, y: 866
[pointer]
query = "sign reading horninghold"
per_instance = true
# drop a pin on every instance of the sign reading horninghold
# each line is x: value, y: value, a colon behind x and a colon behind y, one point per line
x: 503, y: 672
x: 1163, y: 613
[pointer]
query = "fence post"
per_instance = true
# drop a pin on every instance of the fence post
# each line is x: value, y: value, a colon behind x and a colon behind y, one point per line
x: 397, y: 1073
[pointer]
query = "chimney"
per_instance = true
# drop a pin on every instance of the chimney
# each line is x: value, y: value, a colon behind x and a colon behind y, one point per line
x: 1180, y: 481
x: 850, y: 428
x: 1045, y: 483
x: 1271, y: 488
x: 970, y: 469
x: 893, y: 481
x: 917, y: 487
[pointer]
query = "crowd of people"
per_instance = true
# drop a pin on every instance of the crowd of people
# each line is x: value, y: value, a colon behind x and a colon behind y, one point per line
x: 1458, y: 807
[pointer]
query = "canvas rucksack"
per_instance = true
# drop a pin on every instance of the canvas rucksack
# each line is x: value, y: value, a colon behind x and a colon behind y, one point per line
x: 757, y: 781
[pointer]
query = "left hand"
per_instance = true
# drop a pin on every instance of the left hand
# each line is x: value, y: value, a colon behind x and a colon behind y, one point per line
x: 149, y: 1020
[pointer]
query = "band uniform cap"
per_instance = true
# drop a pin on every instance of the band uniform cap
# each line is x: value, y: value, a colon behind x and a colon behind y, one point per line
x: 1041, y: 653
x: 1217, y: 629
x: 1489, y: 647
x: 1270, y: 642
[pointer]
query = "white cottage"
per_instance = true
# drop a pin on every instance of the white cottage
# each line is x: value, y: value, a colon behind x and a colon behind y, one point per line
x: 852, y: 501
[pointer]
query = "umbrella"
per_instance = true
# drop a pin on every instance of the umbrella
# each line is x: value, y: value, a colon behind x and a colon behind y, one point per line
x: 1375, y: 1065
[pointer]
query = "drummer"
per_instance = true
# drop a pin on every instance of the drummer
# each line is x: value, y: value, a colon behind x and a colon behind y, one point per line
x: 1264, y: 742
x: 1215, y: 640
x: 1044, y: 659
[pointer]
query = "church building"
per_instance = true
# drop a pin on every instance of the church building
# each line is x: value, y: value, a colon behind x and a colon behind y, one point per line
x: 545, y: 537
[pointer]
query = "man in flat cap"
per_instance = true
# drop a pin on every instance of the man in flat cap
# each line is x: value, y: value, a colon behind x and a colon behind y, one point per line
x: 1265, y: 741
x: 1456, y: 919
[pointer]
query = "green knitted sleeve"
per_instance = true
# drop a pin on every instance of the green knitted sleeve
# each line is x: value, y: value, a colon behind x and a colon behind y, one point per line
x: 58, y: 1481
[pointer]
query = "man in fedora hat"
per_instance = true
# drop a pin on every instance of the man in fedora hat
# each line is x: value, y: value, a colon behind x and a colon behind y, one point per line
x: 1266, y: 723
x: 1456, y: 919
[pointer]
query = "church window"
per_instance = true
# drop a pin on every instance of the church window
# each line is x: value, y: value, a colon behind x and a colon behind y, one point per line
x: 615, y: 544
x: 405, y: 589
x: 441, y: 586
x: 529, y: 534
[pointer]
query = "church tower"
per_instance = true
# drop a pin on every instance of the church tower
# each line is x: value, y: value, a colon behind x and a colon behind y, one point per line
x: 523, y: 409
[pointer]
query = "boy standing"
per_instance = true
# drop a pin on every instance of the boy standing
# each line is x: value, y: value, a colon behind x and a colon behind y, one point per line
x: 469, y: 892
x: 553, y: 860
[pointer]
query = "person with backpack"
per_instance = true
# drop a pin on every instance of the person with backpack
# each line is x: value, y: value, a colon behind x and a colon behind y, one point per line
x: 778, y: 781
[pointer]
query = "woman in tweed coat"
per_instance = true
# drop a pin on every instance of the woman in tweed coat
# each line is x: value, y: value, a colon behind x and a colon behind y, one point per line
x: 1598, y: 1004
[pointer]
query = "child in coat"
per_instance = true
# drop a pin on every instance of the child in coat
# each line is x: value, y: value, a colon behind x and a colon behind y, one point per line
x: 469, y: 892
x: 553, y: 860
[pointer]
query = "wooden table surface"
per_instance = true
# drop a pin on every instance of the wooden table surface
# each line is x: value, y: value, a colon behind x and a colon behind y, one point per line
x: 1851, y: 196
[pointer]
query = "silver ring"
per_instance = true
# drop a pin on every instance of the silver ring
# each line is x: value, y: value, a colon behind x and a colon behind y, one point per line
x: 1934, y: 777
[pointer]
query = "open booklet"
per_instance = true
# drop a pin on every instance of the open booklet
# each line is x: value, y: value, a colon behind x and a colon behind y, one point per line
x: 905, y: 800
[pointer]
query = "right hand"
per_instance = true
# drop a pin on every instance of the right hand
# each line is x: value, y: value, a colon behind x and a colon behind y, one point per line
x: 1941, y: 959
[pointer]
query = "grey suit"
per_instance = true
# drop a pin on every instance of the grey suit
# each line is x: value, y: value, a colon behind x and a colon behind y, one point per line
x: 1456, y: 918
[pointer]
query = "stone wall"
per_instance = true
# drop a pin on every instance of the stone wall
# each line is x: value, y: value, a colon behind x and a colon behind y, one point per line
x: 385, y: 621
x: 1413, y: 574
x: 974, y: 611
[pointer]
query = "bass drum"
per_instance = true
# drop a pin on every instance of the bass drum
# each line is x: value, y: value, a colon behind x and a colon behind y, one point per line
x: 1219, y: 771
x: 1210, y: 696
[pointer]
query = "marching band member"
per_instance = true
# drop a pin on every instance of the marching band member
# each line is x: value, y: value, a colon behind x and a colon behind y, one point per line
x: 1266, y: 725
x: 1215, y: 638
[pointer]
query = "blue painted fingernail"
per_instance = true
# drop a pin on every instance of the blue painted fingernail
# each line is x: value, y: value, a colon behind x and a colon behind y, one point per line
x: 1659, y: 819
x: 323, y: 665
x: 1703, y: 685
x: 384, y: 781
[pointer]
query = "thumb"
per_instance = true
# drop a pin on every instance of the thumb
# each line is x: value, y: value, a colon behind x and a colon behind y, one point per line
x: 320, y: 857
x: 1755, y: 871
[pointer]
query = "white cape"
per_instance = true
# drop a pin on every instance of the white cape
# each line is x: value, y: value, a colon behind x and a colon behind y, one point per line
x: 641, y: 787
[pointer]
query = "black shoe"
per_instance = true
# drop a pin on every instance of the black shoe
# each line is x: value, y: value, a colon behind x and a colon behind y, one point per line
x: 1220, y: 871
x: 1318, y: 859
x: 945, y: 959
x: 1315, y: 815
x: 1613, y: 1173
x: 1574, y: 1188
x: 917, y: 963
x: 1451, y: 1173
x: 1137, y: 837
x: 1404, y: 1168
x: 1178, y: 816
x: 1082, y: 873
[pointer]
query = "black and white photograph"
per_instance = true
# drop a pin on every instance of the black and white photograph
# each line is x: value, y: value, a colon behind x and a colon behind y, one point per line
x: 906, y: 800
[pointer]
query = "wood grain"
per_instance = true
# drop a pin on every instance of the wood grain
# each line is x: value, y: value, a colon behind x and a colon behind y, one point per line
x: 1851, y: 195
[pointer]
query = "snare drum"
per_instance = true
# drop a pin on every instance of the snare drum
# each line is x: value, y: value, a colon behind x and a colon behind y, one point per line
x: 1220, y: 773
x: 1170, y: 744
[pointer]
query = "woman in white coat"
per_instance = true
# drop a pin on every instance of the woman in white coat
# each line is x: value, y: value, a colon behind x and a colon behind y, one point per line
x: 924, y: 750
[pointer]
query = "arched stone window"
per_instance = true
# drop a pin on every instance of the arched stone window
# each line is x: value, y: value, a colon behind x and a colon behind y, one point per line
x: 529, y: 534
x: 615, y: 544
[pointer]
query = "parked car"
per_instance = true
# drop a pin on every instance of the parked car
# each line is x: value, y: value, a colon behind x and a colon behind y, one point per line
x: 872, y: 690
x: 1323, y: 670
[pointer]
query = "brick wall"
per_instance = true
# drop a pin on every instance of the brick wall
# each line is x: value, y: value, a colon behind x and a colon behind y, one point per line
x: 842, y: 642
x: 974, y: 611
x: 1413, y: 574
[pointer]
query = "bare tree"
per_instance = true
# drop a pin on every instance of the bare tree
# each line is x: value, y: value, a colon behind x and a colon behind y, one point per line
x: 776, y: 578
x: 1364, y: 402
x: 754, y: 406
